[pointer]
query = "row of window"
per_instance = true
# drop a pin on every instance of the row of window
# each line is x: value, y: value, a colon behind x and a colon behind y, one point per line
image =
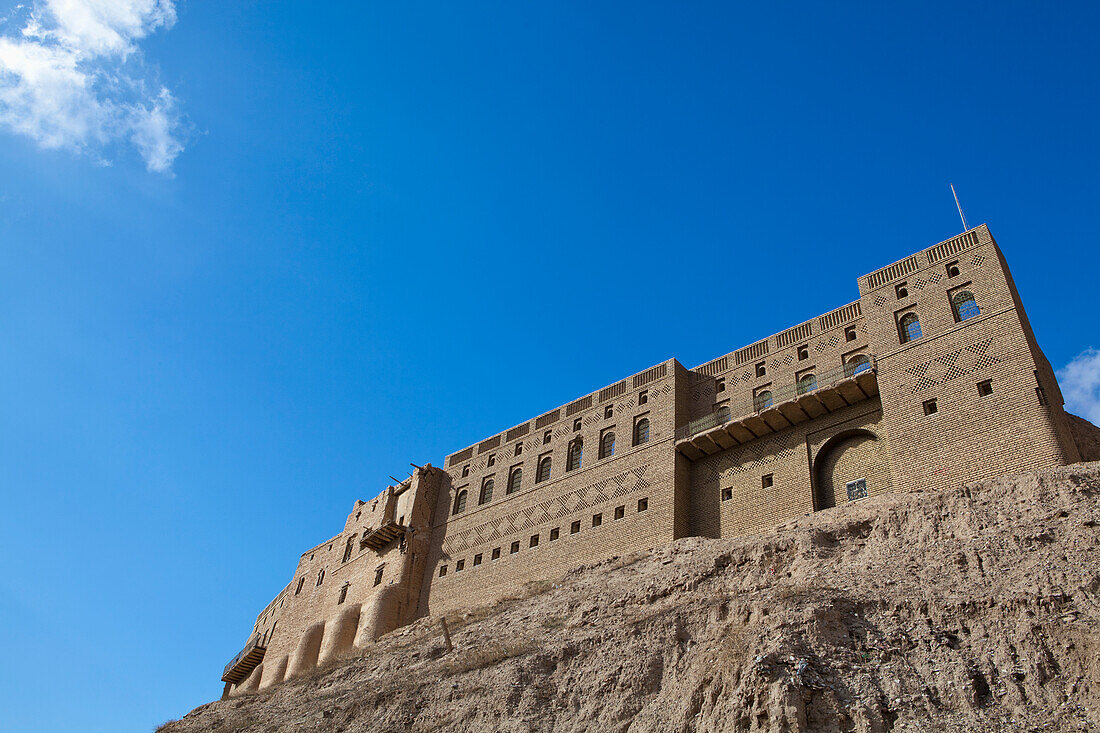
x: 554, y: 534
x: 547, y: 436
x: 963, y: 307
x: 544, y: 467
x: 766, y: 482
x: 985, y: 388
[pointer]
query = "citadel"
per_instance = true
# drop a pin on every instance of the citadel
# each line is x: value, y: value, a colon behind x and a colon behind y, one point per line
x: 932, y: 378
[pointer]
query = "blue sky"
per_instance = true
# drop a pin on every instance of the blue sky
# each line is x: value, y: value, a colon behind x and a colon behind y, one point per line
x: 255, y: 257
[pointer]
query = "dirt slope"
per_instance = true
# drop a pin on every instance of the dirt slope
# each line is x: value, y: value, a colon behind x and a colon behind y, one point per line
x: 974, y: 609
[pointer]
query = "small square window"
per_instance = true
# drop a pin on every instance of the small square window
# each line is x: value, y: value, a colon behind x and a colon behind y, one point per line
x: 761, y: 369
x: 515, y: 548
x: 727, y: 494
x: 643, y: 504
x: 459, y: 565
x: 901, y: 290
x: 575, y: 527
x: 597, y: 520
x: 643, y: 397
x: 767, y: 480
x: 576, y: 425
x: 534, y: 541
x: 720, y: 385
x: 496, y: 554
x: 620, y: 512
x: 492, y: 459
x: 803, y: 352
x: 608, y: 412
x: 519, y: 448
x: 477, y: 559
x: 850, y: 333
x: 857, y: 489
x: 555, y: 533
x: 465, y: 471
x: 546, y: 438
x: 985, y: 388
x: 442, y: 571
x: 930, y: 407
x: 953, y: 269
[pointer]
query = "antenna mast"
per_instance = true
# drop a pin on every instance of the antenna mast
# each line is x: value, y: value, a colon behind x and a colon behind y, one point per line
x: 959, y: 207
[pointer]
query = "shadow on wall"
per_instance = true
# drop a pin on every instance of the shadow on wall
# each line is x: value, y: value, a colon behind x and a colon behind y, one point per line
x: 851, y: 465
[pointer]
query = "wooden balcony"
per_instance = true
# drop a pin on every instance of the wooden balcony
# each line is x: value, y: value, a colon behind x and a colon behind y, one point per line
x: 379, y: 538
x: 246, y: 660
x: 716, y: 433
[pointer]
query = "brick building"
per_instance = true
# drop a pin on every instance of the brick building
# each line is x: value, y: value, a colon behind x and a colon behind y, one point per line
x: 931, y: 378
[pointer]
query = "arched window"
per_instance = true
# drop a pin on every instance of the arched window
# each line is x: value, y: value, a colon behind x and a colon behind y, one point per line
x: 808, y: 383
x: 909, y: 328
x: 641, y: 431
x: 486, y: 492
x: 607, y: 444
x: 514, y: 480
x: 460, y: 502
x: 964, y: 305
x: 575, y: 450
x: 722, y: 414
x: 543, y: 472
x: 320, y: 576
x: 858, y: 363
x: 763, y: 400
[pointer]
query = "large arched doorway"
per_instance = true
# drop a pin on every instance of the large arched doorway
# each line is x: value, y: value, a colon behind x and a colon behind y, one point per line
x: 850, y: 466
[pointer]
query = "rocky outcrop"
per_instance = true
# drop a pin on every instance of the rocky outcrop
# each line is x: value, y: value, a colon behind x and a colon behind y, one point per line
x: 973, y: 609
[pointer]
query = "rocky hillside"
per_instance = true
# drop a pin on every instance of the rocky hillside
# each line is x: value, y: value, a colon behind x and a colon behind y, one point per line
x: 976, y: 609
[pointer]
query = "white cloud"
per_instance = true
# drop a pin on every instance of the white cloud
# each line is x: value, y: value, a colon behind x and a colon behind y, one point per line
x: 72, y: 77
x: 1080, y: 383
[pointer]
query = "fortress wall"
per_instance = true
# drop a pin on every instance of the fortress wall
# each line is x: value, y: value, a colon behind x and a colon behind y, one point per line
x: 888, y: 440
x: 600, y: 486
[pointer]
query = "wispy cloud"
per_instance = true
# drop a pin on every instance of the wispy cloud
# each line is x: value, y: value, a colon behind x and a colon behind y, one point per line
x: 72, y: 76
x: 1080, y: 383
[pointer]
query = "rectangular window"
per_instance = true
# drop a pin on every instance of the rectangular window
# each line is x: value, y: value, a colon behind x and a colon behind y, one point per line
x: 492, y: 459
x: 767, y: 480
x: 546, y: 437
x: 643, y: 504
x: 608, y: 412
x: 378, y: 574
x: 902, y: 290
x: 459, y: 565
x: 534, y: 541
x: 985, y: 388
x: 727, y: 494
x: 519, y: 448
x: 477, y: 559
x: 301, y: 582
x: 442, y: 571
x: 597, y: 520
x: 952, y: 269
x: 554, y: 533
x: 643, y: 397
x: 930, y: 407
x: 575, y: 527
x: 515, y: 548
x: 857, y: 489
x: 620, y: 512
x: 850, y: 334
x: 465, y: 471
x: 761, y: 369
x: 496, y: 553
x: 576, y: 425
x: 803, y: 353
x: 343, y: 594
x: 1041, y: 395
x: 720, y: 385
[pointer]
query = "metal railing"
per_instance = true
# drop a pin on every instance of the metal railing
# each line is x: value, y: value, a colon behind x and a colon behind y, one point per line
x: 254, y: 643
x: 778, y: 396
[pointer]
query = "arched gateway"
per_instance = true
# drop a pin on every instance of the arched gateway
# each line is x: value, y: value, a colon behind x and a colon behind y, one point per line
x: 849, y: 467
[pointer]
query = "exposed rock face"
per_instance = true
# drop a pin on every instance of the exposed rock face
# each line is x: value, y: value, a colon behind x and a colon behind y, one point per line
x: 974, y: 609
x: 1086, y: 436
